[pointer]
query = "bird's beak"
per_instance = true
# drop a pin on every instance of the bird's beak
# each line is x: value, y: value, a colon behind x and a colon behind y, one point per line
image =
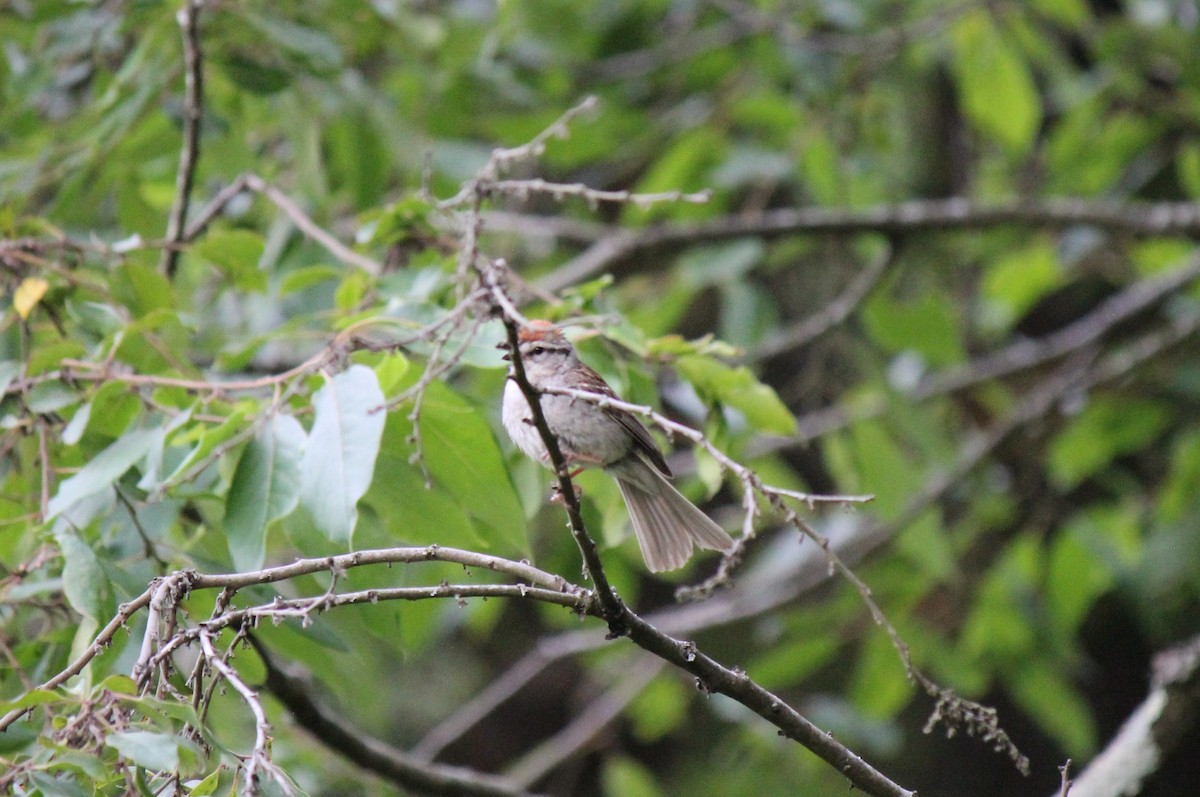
x: 507, y: 354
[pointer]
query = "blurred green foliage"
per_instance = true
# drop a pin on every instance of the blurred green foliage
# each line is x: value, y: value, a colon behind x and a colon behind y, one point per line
x: 1064, y: 552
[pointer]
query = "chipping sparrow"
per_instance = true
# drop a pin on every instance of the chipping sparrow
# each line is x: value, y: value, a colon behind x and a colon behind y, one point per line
x: 666, y: 523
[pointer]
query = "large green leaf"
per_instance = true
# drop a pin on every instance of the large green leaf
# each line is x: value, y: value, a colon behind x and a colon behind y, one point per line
x: 265, y: 487
x: 153, y: 750
x: 105, y: 468
x: 339, y: 461
x: 410, y: 512
x: 463, y: 457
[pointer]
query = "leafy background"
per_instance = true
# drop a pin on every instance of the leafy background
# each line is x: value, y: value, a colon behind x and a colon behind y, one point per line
x: 1033, y: 540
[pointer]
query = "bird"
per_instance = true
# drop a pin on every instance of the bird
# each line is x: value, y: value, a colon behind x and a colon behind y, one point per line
x: 667, y: 525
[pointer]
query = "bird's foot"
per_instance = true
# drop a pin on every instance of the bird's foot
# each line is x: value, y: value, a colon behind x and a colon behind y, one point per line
x: 556, y: 496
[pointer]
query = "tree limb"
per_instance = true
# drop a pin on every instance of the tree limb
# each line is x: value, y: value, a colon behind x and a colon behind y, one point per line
x: 612, y: 250
x: 1152, y: 731
x: 293, y: 688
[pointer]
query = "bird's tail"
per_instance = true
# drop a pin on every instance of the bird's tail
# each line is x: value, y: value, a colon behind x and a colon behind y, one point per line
x: 667, y: 525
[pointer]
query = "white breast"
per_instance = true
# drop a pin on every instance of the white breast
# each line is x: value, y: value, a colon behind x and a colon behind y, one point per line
x: 518, y: 422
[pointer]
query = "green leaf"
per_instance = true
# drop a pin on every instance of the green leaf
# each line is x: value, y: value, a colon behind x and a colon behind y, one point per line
x: 683, y: 166
x: 311, y: 48
x: 1076, y: 576
x: 209, y: 439
x: 660, y: 709
x: 463, y: 456
x: 206, y: 787
x: 154, y: 751
x: 84, y: 582
x: 256, y: 75
x: 1055, y: 704
x: 339, y: 461
x: 789, y: 663
x: 104, y: 469
x: 740, y: 389
x: 1072, y: 13
x: 265, y: 487
x: 50, y: 397
x: 994, y: 83
x: 928, y: 326
x: 997, y: 629
x: 49, y: 357
x: 142, y: 288
x: 120, y: 684
x: 411, y: 512
x: 72, y: 433
x: 624, y: 777
x: 50, y: 786
x: 1017, y: 280
x: 99, y: 319
x: 34, y: 697
x: 237, y: 253
x: 879, y: 687
x: 9, y: 370
x: 1105, y: 429
x: 720, y: 263
x: 303, y: 278
x: 1177, y: 495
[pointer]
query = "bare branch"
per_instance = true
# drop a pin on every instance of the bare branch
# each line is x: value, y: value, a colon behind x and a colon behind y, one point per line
x: 612, y: 250
x: 293, y: 688
x: 593, y: 196
x: 1087, y: 330
x: 1151, y: 732
x: 803, y: 331
x: 193, y: 109
x: 310, y: 228
x: 304, y: 222
x: 97, y: 647
x: 751, y: 597
x: 260, y: 757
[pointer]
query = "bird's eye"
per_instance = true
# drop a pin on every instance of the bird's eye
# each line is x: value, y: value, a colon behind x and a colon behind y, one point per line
x: 538, y: 350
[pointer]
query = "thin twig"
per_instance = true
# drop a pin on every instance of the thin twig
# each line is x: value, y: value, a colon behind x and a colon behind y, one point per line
x: 47, y: 470
x: 593, y: 196
x: 260, y: 757
x: 310, y: 228
x: 1064, y: 788
x: 193, y: 109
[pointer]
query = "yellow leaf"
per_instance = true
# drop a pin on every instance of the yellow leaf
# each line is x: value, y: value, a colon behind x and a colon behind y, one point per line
x: 28, y: 294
